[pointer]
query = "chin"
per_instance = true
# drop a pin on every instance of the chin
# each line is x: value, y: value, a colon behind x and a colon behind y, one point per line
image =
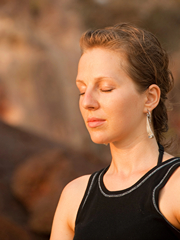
x: 99, y: 140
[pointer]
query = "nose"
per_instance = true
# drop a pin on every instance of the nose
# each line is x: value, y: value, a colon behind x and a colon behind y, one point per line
x: 90, y: 100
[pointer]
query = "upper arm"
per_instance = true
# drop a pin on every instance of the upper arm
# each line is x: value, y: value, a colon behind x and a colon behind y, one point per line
x: 65, y: 215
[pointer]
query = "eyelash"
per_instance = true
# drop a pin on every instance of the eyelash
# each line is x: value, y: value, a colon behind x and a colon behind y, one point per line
x: 109, y: 90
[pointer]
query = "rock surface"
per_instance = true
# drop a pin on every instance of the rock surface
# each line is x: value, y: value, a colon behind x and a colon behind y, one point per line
x: 10, y: 230
x: 33, y: 172
x: 38, y: 182
x: 15, y: 146
x: 39, y: 53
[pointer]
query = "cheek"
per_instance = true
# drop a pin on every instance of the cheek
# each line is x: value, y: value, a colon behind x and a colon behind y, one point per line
x: 82, y: 110
x: 80, y: 107
x: 124, y: 107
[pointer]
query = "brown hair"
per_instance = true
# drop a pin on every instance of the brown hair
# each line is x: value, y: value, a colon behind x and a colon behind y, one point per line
x: 147, y: 62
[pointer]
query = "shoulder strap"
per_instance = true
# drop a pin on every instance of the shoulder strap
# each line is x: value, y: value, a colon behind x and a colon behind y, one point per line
x: 172, y: 167
x: 92, y: 180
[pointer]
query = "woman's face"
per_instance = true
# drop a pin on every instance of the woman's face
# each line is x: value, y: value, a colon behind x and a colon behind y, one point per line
x: 112, y: 108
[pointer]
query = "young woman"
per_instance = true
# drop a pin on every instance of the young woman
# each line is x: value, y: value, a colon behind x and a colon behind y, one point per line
x: 123, y: 79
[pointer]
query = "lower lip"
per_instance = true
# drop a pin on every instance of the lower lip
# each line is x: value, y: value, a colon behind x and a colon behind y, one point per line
x: 94, y: 124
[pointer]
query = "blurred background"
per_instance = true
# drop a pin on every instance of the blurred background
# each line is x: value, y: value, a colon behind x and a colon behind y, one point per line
x: 43, y: 140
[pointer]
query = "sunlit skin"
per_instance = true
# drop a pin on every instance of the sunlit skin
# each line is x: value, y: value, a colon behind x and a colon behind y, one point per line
x: 110, y: 95
x: 114, y: 112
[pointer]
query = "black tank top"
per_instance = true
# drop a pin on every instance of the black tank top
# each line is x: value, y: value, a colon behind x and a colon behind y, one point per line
x: 130, y: 214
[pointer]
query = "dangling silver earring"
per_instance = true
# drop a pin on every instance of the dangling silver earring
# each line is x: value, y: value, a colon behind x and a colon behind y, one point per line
x: 149, y: 131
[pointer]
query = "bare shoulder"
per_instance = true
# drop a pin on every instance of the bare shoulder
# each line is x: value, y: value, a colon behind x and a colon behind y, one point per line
x: 66, y: 211
x: 77, y: 186
x: 71, y: 198
x: 74, y: 192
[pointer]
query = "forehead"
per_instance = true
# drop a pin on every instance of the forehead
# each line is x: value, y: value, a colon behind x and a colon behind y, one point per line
x: 100, y: 61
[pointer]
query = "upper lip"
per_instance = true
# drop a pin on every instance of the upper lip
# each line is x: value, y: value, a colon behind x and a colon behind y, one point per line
x: 93, y: 119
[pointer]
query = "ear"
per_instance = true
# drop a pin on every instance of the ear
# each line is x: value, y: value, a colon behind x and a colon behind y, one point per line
x: 153, y: 94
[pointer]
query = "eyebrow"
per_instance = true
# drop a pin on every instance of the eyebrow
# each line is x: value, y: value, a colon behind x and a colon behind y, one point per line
x: 98, y: 79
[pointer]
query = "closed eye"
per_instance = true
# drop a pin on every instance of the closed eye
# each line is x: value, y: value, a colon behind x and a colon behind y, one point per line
x: 106, y: 90
x: 102, y: 90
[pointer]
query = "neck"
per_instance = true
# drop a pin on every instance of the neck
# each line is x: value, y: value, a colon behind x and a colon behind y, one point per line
x: 135, y: 156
